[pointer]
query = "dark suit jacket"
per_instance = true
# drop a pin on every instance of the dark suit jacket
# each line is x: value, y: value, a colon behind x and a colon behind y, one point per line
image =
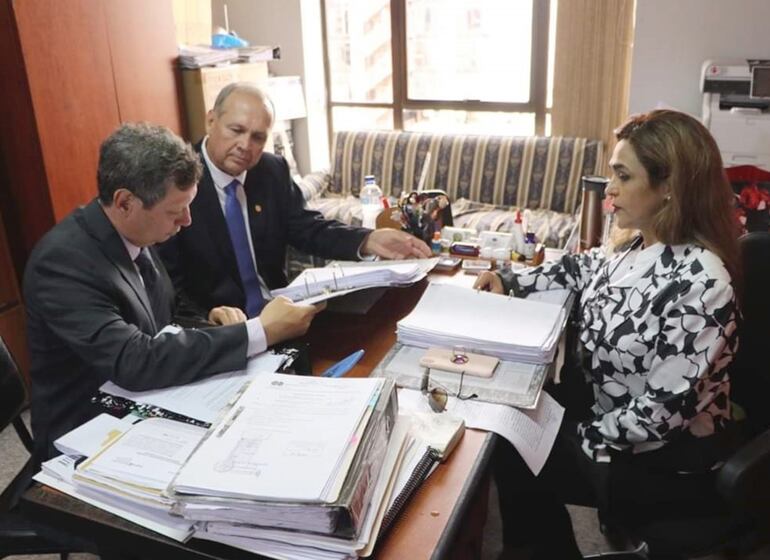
x: 201, y: 260
x: 89, y: 321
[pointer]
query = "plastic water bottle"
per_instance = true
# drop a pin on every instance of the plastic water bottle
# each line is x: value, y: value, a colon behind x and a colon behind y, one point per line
x: 371, y: 202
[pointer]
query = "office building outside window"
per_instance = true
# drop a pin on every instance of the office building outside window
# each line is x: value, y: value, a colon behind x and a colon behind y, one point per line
x: 472, y: 66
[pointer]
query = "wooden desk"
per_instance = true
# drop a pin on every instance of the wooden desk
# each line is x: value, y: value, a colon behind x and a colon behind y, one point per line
x: 444, y: 520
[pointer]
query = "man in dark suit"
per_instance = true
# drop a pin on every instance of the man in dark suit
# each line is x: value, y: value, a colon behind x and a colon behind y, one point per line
x: 248, y: 210
x: 98, y: 296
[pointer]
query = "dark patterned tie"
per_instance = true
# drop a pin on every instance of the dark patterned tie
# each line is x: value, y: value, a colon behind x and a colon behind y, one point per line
x: 154, y: 288
x: 239, y: 237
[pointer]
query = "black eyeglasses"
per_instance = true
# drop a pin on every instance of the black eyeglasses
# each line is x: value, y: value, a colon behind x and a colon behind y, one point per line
x: 437, y: 394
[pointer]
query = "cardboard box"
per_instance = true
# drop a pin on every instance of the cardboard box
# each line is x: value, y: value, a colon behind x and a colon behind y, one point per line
x: 202, y: 85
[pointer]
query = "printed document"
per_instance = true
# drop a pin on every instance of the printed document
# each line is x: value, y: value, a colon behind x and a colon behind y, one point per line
x: 531, y: 432
x: 281, y: 440
x: 204, y: 399
x: 87, y: 439
x: 145, y: 459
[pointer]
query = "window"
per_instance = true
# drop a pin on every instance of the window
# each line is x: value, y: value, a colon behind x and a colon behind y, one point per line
x: 477, y: 66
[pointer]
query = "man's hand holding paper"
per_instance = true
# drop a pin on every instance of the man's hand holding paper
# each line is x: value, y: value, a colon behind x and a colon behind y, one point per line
x: 283, y: 320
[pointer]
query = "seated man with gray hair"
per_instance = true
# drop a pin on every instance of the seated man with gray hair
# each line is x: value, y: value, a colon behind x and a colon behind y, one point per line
x: 248, y: 210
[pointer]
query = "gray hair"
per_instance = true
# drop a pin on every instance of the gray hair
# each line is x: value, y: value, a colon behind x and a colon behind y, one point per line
x: 247, y: 88
x: 146, y: 160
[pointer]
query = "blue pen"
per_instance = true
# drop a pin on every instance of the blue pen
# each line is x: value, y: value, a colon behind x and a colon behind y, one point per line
x: 344, y: 365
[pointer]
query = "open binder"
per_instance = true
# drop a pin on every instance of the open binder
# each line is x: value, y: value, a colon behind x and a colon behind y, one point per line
x: 318, y: 284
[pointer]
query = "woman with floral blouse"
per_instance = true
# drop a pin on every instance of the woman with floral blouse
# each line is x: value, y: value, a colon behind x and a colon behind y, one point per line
x: 656, y: 329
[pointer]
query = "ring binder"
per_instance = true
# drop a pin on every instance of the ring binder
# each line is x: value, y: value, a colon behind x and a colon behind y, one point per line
x: 314, y: 285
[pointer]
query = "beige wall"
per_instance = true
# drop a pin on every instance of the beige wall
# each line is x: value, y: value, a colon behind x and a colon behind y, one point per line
x: 193, y: 21
x: 294, y: 25
x: 672, y: 39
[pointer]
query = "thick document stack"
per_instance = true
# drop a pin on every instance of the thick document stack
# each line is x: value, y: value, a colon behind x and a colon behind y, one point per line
x: 513, y: 329
x: 127, y: 470
x: 297, y: 465
x: 319, y: 284
x: 512, y: 383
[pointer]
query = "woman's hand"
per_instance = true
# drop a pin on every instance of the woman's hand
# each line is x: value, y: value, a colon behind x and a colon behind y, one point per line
x: 489, y: 282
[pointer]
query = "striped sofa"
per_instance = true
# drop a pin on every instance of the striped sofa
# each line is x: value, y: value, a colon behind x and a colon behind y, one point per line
x: 487, y: 177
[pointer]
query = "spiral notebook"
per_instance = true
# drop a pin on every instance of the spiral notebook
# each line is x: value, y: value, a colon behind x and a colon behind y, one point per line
x: 438, y: 434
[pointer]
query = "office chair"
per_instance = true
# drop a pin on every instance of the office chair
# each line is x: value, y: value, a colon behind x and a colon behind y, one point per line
x: 743, y: 483
x: 19, y: 534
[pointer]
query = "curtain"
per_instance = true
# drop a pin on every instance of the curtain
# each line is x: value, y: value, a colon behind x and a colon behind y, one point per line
x: 592, y: 68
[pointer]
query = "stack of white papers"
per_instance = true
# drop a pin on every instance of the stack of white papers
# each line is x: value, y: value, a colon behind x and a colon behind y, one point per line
x: 141, y: 463
x: 204, y: 399
x: 197, y: 56
x: 129, y: 474
x: 258, y: 53
x: 510, y: 328
x: 281, y: 441
x: 297, y: 464
x: 319, y: 284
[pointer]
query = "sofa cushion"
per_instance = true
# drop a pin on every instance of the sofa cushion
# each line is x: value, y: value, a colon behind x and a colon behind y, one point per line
x: 315, y: 184
x: 551, y: 228
x: 526, y: 172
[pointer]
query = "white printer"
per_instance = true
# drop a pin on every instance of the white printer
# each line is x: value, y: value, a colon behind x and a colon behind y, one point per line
x: 736, y: 109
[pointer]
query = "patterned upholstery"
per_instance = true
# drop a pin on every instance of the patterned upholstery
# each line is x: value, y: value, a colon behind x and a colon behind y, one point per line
x: 486, y: 178
x: 523, y: 172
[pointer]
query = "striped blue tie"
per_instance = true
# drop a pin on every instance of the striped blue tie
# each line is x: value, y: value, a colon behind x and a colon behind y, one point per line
x: 238, y: 236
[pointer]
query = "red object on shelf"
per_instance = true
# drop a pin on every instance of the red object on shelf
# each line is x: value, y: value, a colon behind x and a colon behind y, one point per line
x: 752, y: 201
x: 748, y: 173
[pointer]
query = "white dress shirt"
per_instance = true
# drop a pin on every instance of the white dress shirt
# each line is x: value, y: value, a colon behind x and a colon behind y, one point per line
x: 221, y: 180
x: 257, y: 342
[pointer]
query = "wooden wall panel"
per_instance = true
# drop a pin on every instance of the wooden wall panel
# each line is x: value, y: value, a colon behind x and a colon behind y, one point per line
x: 146, y: 85
x: 26, y: 206
x: 67, y: 56
x: 13, y: 329
x: 9, y: 288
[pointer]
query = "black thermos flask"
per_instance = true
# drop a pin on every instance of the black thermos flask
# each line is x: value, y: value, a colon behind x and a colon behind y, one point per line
x: 591, y: 213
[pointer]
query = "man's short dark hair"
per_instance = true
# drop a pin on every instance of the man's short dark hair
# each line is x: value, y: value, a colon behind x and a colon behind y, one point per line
x: 145, y: 159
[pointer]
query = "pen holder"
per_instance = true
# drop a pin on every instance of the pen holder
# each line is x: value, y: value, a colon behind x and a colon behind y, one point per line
x: 425, y: 212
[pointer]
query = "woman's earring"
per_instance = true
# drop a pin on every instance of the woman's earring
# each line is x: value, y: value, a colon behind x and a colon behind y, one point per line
x: 667, y: 198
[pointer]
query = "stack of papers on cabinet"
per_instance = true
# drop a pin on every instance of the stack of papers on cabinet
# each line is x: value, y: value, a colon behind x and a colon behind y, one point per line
x: 319, y: 284
x: 297, y: 465
x: 198, y: 56
x: 513, y: 329
x: 258, y: 53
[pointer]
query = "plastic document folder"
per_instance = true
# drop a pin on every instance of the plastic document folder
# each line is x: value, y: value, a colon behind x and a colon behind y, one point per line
x: 512, y: 383
x: 513, y: 329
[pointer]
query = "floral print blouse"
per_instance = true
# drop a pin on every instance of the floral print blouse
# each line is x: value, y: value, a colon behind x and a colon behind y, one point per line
x: 659, y: 335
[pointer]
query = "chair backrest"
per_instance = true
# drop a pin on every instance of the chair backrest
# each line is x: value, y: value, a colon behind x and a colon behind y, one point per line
x: 13, y: 391
x: 750, y: 373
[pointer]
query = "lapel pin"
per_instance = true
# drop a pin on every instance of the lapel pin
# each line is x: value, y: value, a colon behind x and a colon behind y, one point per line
x: 257, y: 208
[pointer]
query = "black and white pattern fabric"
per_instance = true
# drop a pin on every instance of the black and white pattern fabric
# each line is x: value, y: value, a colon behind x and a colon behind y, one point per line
x: 658, y: 335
